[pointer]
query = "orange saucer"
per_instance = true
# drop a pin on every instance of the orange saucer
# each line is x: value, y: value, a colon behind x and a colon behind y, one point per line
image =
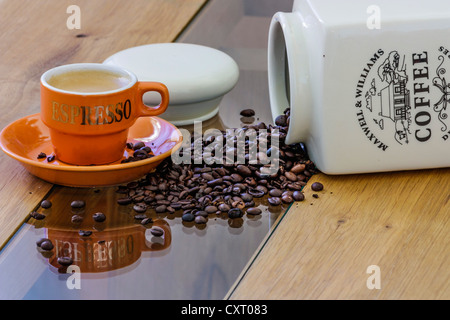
x: 24, y: 139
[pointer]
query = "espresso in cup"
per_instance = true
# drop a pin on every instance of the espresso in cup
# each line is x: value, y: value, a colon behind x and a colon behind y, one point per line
x: 89, y: 108
x: 89, y: 81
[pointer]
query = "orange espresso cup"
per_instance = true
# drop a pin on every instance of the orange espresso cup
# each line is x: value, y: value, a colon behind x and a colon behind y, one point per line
x: 89, y: 107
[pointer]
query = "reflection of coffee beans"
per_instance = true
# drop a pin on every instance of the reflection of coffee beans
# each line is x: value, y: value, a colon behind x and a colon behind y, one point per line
x: 85, y: 233
x: 65, y: 261
x: 77, y: 218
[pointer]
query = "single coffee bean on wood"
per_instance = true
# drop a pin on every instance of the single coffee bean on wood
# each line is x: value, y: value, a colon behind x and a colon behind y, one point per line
x: 317, y: 186
x: 46, y: 204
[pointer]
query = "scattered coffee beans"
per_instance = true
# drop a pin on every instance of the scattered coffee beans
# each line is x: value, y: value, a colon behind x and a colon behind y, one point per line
x: 235, y: 213
x: 46, y: 204
x: 317, y: 186
x: 298, y: 196
x: 248, y: 113
x: 77, y: 204
x: 37, y: 215
x: 254, y: 211
x: 65, y: 261
x: 42, y: 155
x: 77, y: 218
x: 84, y: 233
x: 157, y: 232
x: 200, y: 220
x: 99, y: 217
x: 46, y: 245
x: 199, y: 189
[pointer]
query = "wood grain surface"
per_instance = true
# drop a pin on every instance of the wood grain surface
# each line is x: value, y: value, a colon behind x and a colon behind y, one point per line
x: 324, y: 247
x: 34, y: 37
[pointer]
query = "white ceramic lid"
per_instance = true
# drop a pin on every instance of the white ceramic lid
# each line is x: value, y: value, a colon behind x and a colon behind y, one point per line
x: 194, y: 75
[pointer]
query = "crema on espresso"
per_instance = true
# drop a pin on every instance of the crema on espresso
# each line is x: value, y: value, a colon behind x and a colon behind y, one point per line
x: 87, y: 81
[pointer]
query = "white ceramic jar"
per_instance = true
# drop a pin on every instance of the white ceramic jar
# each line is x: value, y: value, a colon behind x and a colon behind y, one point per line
x: 367, y: 82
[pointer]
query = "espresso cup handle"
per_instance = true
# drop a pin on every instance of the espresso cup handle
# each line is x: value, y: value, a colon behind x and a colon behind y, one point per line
x: 146, y: 111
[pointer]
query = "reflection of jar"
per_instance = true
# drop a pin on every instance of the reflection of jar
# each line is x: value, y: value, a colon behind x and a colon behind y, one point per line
x: 106, y: 250
x: 366, y: 84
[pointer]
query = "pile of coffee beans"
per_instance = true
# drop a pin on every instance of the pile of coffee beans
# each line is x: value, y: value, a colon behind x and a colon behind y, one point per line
x: 138, y: 151
x: 199, y: 189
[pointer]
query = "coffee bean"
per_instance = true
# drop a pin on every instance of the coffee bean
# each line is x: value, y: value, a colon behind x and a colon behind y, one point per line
x: 140, y: 208
x: 235, y: 213
x: 223, y: 207
x: 274, y: 201
x: 247, y: 113
x: 235, y: 177
x: 46, y: 245
x: 42, y: 155
x: 298, y: 168
x: 46, y: 204
x: 200, y: 220
x: 140, y: 216
x: 246, y: 197
x: 262, y: 189
x: 254, y: 211
x: 249, y: 204
x: 211, y: 209
x: 161, y: 209
x: 157, y: 232
x: 287, y: 198
x: 84, y: 233
x: 99, y: 217
x: 146, y: 221
x: 188, y: 217
x: 317, y: 186
x: 124, y: 201
x: 65, y: 261
x: 37, y: 215
x: 281, y: 120
x: 315, y: 195
x: 243, y: 170
x: 291, y: 176
x: 201, y: 213
x: 256, y: 193
x: 39, y: 242
x: 51, y: 158
x: 298, y: 196
x: 138, y: 145
x: 76, y: 218
x: 275, y: 193
x: 76, y: 204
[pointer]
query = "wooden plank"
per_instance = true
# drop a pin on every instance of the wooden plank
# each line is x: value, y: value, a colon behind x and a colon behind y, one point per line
x: 323, y: 247
x: 34, y: 37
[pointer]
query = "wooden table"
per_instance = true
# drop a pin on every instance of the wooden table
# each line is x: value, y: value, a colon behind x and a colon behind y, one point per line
x: 386, y: 229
